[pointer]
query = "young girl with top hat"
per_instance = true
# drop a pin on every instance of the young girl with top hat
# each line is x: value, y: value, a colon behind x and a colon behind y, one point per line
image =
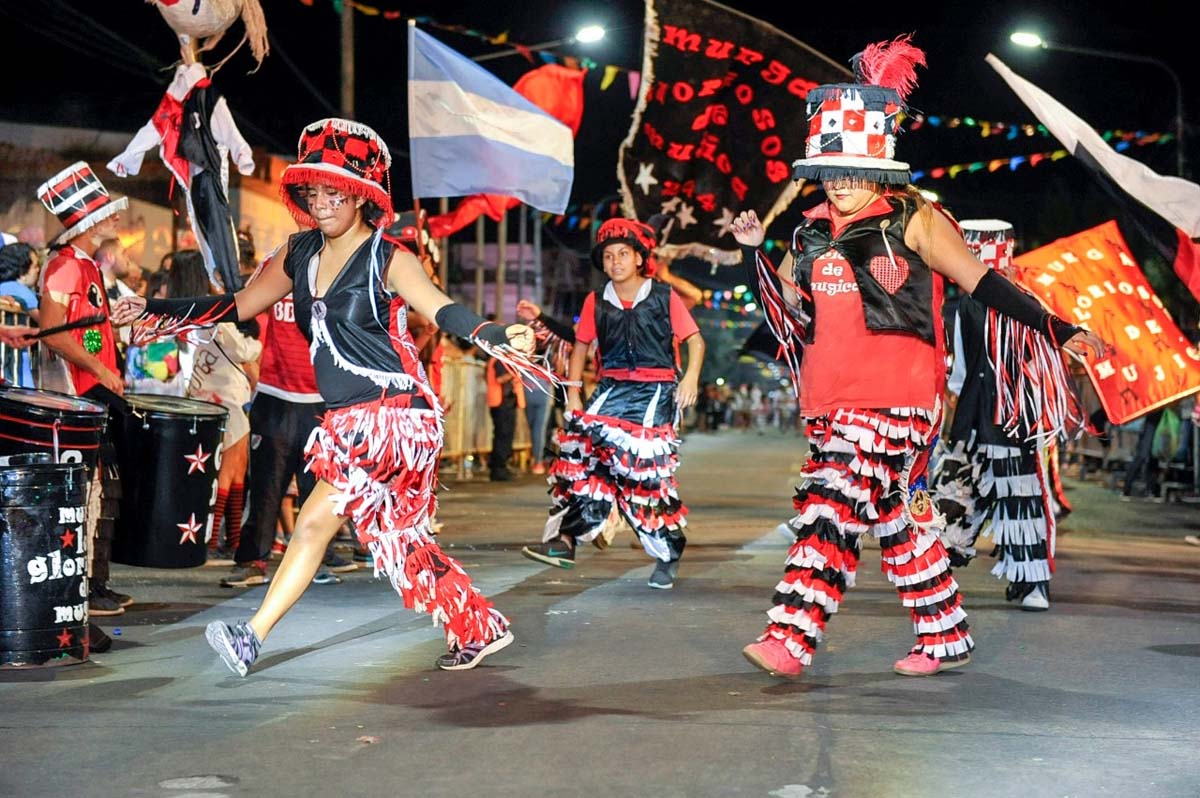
x: 623, y: 448
x: 376, y: 451
x: 856, y: 305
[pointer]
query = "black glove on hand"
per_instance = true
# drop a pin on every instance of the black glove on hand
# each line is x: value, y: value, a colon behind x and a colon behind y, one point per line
x: 458, y: 320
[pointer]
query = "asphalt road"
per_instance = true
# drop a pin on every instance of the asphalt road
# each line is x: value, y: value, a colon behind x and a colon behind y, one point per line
x: 616, y: 689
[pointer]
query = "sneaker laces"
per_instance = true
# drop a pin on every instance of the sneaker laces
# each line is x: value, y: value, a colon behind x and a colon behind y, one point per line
x: 245, y: 642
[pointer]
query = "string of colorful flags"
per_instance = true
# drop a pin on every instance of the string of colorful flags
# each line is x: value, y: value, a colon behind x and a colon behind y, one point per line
x: 913, y: 122
x: 1009, y: 130
x: 580, y: 217
x: 1032, y: 160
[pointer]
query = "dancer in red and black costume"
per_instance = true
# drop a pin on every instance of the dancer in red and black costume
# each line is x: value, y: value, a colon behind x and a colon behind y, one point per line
x: 993, y: 475
x: 376, y: 452
x: 623, y: 448
x: 859, y: 295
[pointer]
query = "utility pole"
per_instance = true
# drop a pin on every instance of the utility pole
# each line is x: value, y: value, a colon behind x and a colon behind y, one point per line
x: 347, y: 59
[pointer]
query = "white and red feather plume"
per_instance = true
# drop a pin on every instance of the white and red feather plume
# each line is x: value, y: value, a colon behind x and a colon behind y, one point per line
x: 891, y: 64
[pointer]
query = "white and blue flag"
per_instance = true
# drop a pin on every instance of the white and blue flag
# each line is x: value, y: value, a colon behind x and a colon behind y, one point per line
x: 470, y: 133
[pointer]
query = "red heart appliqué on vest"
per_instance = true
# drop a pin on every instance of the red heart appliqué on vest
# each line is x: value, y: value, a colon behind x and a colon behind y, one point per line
x: 891, y: 275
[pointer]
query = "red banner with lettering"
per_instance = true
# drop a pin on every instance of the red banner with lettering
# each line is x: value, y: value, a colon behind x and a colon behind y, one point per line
x: 1091, y: 280
x: 720, y: 117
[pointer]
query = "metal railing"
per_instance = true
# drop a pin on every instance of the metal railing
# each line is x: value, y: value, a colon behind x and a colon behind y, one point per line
x: 468, y: 431
x: 12, y: 313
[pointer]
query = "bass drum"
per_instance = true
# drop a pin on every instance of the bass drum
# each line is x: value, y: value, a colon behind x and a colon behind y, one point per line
x: 67, y: 428
x: 170, y: 450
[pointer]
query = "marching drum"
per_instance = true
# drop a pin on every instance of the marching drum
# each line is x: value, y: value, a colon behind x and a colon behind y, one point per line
x: 69, y: 429
x: 170, y: 450
x: 43, y: 562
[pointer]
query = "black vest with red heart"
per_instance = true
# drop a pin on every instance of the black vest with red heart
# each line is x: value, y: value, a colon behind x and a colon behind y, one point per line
x: 895, y: 285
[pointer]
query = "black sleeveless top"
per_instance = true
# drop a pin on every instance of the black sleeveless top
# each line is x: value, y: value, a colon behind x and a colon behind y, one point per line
x: 636, y: 337
x: 360, y: 344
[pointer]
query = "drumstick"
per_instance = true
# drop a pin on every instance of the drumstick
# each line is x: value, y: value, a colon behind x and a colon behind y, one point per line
x: 89, y: 321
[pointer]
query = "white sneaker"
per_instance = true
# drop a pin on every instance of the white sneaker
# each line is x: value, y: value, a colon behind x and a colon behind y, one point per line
x: 1036, y: 601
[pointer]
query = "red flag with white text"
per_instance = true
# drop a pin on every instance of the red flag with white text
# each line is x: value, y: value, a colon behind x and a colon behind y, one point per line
x: 1092, y: 280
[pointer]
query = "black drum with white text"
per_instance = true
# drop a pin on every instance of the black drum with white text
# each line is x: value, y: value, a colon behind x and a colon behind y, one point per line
x: 43, y: 562
x: 69, y: 428
x: 170, y: 450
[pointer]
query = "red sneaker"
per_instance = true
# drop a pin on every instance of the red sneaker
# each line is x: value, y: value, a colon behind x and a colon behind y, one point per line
x: 773, y: 657
x: 918, y: 663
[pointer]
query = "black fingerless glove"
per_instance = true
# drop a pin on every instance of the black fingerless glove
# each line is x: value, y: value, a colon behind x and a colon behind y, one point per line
x: 458, y: 320
x: 1002, y: 296
x: 198, y: 310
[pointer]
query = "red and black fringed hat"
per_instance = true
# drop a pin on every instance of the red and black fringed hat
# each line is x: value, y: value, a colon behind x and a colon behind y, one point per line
x: 852, y: 126
x: 79, y: 200
x: 348, y: 156
x: 639, y: 235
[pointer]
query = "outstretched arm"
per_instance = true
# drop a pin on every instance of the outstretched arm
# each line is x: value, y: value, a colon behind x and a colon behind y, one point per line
x: 407, y: 277
x: 939, y: 243
x: 268, y: 287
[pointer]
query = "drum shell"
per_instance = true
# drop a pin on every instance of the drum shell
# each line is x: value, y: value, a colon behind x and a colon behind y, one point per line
x: 28, y: 416
x: 43, y: 565
x: 167, y: 498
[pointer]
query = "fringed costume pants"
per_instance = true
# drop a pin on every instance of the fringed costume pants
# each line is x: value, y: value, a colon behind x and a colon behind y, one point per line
x: 622, y: 449
x: 856, y: 482
x: 1000, y: 491
x: 382, y: 457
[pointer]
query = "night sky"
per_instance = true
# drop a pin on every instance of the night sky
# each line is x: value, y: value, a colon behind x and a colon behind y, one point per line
x: 61, y: 69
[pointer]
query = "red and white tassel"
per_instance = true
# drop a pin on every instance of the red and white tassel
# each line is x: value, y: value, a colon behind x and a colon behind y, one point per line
x: 1035, y: 397
x: 151, y: 327
x: 786, y: 323
x: 521, y: 366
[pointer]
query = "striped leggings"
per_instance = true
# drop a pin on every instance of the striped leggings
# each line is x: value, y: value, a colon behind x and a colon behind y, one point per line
x: 856, y: 481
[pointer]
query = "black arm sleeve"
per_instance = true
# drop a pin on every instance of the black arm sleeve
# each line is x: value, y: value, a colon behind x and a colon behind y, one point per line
x: 751, y: 267
x: 1002, y: 296
x: 561, y: 329
x: 458, y: 320
x: 199, y: 309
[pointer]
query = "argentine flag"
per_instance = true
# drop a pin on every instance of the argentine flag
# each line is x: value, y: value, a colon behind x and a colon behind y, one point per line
x: 470, y: 133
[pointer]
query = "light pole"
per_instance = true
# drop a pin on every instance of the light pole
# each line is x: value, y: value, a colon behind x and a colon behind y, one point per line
x: 1026, y: 39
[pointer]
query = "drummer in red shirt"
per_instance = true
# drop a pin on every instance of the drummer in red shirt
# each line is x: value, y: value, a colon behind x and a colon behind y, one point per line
x: 73, y: 290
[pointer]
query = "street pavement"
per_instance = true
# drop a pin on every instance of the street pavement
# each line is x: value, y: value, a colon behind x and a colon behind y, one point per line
x: 616, y: 689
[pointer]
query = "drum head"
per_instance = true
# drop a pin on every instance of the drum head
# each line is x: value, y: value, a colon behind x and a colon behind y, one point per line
x: 49, y: 402
x: 174, y: 405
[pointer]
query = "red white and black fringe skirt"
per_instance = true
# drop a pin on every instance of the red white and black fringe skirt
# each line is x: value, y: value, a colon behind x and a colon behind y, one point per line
x: 856, y: 482
x: 1000, y: 491
x: 622, y: 449
x: 382, y: 458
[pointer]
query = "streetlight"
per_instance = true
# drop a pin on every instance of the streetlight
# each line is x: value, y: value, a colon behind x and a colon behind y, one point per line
x: 588, y: 34
x: 1028, y: 39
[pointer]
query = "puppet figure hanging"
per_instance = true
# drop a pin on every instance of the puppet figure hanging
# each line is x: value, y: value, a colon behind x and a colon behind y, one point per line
x: 195, y: 132
x: 205, y: 21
